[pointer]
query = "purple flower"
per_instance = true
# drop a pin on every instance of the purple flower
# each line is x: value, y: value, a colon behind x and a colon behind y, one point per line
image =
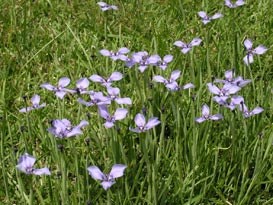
x: 229, y: 4
x: 113, y: 94
x: 226, y: 90
x: 142, y: 126
x: 185, y: 48
x: 119, y: 55
x: 119, y: 114
x: 26, y: 163
x: 206, y: 19
x: 248, y: 59
x: 63, y: 128
x: 234, y: 101
x: 115, y: 76
x: 104, y: 6
x: 96, y: 98
x: 247, y: 113
x: 107, y: 180
x: 60, y: 90
x: 207, y: 116
x: 157, y: 61
x: 230, y: 78
x: 141, y: 58
x: 35, y: 101
x: 171, y: 84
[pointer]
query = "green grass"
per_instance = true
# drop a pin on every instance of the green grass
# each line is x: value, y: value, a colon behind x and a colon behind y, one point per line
x: 179, y: 161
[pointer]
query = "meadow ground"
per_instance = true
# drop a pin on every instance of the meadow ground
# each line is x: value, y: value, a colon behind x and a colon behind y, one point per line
x: 179, y: 161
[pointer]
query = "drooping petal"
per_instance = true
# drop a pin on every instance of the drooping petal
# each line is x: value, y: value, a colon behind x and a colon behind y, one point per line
x: 248, y: 44
x: 257, y: 110
x: 35, y: 99
x: 105, y: 52
x: 113, y: 91
x: 153, y: 59
x: 42, y: 171
x: 217, y: 16
x: 173, y: 86
x: 168, y: 58
x: 229, y: 4
x: 159, y: 79
x: 60, y: 94
x: 200, y: 119
x: 95, y: 173
x: 240, y: 2
x: 115, y: 76
x: 88, y: 104
x: 229, y: 74
x: 120, y: 113
x: 137, y: 130
x: 187, y: 86
x: 108, y: 124
x: 248, y: 59
x: 213, y: 89
x: 202, y: 14
x: 48, y: 86
x: 175, y: 75
x: 97, y: 78
x: 83, y: 123
x: 63, y: 82
x: 123, y: 50
x: 260, y: 50
x: 205, y: 110
x: 26, y: 109
x: 152, y: 122
x: 82, y: 83
x: 107, y: 184
x: 140, y: 120
x: 117, y: 171
x: 195, y: 42
x: 180, y: 44
x: 125, y: 101
x: 103, y: 111
x: 216, y: 117
x: 185, y: 50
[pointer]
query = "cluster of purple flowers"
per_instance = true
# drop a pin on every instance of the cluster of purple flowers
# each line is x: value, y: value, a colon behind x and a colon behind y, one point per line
x: 224, y: 91
x: 224, y: 95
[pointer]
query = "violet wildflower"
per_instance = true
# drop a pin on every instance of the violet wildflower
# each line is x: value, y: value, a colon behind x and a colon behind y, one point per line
x: 141, y: 58
x: 186, y: 47
x: 119, y: 114
x: 62, y: 128
x: 234, y: 102
x: 107, y: 180
x: 104, y: 6
x: 119, y: 55
x: 96, y: 98
x: 82, y: 85
x: 113, y: 94
x: 171, y: 84
x: 157, y: 61
x: 226, y: 90
x: 61, y: 90
x: 247, y: 113
x: 230, y: 78
x: 26, y: 163
x: 259, y: 50
x: 142, y: 126
x: 115, y: 76
x: 35, y: 101
x: 206, y: 19
x: 207, y: 116
x: 229, y: 4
